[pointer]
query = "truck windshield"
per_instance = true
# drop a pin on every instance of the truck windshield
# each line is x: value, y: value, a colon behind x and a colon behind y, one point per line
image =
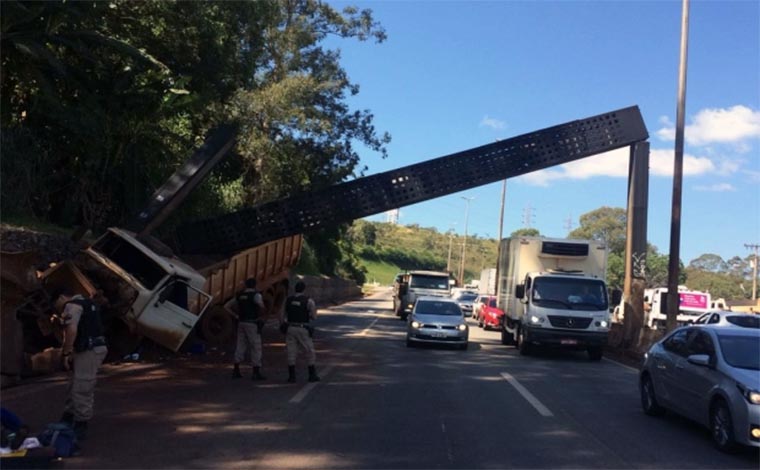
x: 130, y: 259
x: 429, y: 282
x: 570, y: 293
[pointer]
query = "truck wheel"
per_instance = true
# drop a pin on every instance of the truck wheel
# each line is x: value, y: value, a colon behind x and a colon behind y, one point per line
x: 595, y: 353
x: 506, y: 337
x: 217, y: 326
x: 522, y: 344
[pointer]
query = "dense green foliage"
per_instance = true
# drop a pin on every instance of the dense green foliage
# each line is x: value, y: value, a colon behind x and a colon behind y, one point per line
x: 386, y: 249
x: 102, y: 100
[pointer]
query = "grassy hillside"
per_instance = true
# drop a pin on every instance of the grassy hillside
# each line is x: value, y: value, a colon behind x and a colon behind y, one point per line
x: 385, y: 249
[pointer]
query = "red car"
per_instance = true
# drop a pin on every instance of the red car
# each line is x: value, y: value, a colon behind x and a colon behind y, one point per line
x: 489, y: 316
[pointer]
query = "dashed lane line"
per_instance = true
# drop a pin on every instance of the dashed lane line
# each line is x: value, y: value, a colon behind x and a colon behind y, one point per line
x: 298, y: 397
x: 542, y: 410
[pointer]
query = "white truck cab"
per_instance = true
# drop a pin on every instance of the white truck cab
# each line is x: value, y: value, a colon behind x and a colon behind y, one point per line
x: 553, y: 293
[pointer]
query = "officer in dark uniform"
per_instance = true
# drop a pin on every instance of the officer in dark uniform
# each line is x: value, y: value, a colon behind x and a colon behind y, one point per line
x: 298, y: 312
x: 250, y: 307
x: 84, y: 349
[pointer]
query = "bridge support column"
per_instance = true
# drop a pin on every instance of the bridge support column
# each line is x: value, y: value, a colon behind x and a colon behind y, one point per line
x: 636, y: 245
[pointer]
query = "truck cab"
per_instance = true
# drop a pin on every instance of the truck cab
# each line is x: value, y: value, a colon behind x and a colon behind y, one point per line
x: 159, y: 297
x: 415, y: 284
x: 563, y: 309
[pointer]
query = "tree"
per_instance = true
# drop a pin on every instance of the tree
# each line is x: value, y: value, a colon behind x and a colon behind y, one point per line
x: 526, y: 232
x: 709, y: 262
x: 657, y: 269
x: 607, y: 224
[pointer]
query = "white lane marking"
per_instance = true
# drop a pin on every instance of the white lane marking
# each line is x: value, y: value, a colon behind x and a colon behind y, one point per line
x: 298, y: 397
x: 543, y: 410
x: 366, y: 330
x: 633, y: 369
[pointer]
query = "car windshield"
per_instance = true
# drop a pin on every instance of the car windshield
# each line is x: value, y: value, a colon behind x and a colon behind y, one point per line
x: 742, y: 352
x: 467, y: 297
x: 747, y: 321
x: 432, y: 307
x: 568, y: 293
x: 429, y: 282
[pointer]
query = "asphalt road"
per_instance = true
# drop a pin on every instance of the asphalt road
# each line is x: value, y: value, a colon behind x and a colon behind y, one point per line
x: 379, y: 405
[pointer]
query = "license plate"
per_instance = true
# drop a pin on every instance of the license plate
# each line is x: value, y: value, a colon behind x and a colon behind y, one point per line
x: 569, y: 341
x: 438, y: 335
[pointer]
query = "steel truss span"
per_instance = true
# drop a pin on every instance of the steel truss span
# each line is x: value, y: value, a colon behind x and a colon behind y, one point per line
x: 415, y: 183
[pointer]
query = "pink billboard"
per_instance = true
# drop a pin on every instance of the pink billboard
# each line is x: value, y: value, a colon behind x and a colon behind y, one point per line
x: 690, y: 300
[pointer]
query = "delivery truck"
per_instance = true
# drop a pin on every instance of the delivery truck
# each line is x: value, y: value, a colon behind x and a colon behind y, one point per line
x: 691, y: 304
x: 553, y: 294
x: 487, y: 283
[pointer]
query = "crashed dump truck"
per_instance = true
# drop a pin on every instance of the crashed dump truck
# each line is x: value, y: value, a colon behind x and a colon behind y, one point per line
x: 146, y: 294
x: 158, y: 296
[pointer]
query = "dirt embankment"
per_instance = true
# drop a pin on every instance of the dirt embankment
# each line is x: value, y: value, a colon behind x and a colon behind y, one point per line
x: 49, y: 247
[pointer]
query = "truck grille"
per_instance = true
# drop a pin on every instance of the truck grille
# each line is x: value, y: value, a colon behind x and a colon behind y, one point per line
x: 569, y: 322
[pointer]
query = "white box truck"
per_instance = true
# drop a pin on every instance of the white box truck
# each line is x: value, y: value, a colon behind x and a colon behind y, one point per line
x: 553, y: 293
x: 691, y: 304
x: 487, y: 283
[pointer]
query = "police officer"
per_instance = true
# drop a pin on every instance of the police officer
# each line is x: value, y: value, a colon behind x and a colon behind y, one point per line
x: 250, y: 307
x: 84, y: 349
x: 299, y: 311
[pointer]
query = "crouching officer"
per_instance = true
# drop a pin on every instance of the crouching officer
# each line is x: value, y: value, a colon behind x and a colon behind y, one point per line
x: 250, y: 307
x: 84, y: 349
x: 299, y: 311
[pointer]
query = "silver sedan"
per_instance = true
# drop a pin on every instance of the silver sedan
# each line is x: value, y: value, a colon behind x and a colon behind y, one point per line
x: 437, y: 320
x: 710, y: 374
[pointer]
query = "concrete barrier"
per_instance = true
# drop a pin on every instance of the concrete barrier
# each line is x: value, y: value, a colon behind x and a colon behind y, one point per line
x: 328, y: 290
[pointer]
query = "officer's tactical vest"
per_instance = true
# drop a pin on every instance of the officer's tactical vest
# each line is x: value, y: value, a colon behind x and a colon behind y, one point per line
x: 90, y: 329
x: 249, y: 310
x: 296, y: 308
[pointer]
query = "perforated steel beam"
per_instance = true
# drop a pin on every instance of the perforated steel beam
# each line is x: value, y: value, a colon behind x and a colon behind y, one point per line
x: 415, y: 183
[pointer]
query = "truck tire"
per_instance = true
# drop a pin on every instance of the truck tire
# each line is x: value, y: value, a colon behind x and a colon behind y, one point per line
x: 217, y: 326
x: 506, y: 337
x: 522, y: 344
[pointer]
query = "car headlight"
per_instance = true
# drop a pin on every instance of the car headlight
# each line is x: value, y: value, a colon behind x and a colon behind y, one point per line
x: 416, y: 324
x: 536, y: 320
x: 462, y: 327
x: 410, y: 306
x: 752, y: 396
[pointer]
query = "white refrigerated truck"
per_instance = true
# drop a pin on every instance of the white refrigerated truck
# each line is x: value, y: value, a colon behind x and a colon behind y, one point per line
x: 553, y: 293
x: 691, y: 304
x: 487, y: 283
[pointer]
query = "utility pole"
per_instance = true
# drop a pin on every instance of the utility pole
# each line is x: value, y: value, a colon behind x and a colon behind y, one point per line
x: 755, y: 247
x: 501, y: 214
x: 464, y: 243
x: 569, y: 223
x: 673, y: 302
x: 451, y: 237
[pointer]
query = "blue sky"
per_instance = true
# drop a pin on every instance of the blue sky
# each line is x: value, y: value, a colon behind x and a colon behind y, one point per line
x: 456, y: 75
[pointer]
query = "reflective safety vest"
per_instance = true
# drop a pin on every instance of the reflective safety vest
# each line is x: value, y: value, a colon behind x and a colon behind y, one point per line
x: 90, y: 328
x: 297, y: 308
x: 249, y: 309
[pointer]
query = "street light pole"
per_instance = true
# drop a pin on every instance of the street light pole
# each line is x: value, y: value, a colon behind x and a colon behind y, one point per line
x: 464, y: 243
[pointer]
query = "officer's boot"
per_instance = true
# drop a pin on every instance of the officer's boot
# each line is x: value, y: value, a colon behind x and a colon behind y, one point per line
x: 68, y: 418
x: 236, y: 372
x: 80, y: 430
x: 313, y: 377
x: 257, y: 374
x: 292, y: 374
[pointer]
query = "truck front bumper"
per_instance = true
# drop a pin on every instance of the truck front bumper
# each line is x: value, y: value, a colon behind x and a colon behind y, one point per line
x: 566, y: 338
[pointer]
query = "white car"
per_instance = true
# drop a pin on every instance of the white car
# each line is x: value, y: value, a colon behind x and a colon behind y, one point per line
x: 728, y: 318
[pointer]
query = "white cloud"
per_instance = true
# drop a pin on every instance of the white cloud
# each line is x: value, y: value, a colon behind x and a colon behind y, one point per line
x: 615, y: 164
x: 493, y: 123
x: 717, y: 188
x: 719, y: 125
x: 661, y: 164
